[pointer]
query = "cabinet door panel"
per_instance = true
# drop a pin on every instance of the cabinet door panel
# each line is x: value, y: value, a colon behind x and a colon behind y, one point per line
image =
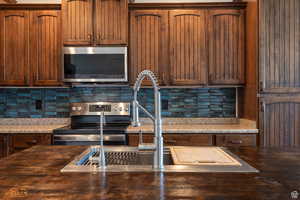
x: 226, y: 47
x: 188, y: 52
x: 280, y: 121
x: 279, y: 46
x: 175, y: 139
x: 14, y: 41
x: 148, y: 43
x: 24, y: 141
x: 46, y: 47
x: 77, y: 22
x: 111, y: 21
x: 2, y: 146
x: 242, y: 140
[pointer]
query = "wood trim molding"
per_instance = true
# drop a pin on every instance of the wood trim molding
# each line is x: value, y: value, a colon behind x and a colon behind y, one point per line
x: 30, y: 6
x: 234, y: 5
x: 8, y: 1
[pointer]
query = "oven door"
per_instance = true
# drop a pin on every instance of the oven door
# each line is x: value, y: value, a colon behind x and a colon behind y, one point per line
x: 95, y: 64
x: 73, y: 139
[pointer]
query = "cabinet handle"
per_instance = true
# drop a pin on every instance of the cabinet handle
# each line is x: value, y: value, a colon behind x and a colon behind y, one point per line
x: 236, y: 142
x: 170, y: 141
x: 33, y: 142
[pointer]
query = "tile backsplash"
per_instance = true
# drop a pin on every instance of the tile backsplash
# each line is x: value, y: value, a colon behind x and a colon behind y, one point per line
x: 182, y: 102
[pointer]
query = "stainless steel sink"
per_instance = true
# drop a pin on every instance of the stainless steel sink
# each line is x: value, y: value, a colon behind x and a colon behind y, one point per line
x: 130, y: 159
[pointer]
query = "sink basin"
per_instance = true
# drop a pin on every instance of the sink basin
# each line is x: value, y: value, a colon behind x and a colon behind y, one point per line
x: 121, y: 156
x: 130, y: 159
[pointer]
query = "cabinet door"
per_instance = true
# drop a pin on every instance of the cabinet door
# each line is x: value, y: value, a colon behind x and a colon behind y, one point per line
x: 226, y: 47
x: 175, y: 139
x: 77, y: 22
x: 242, y: 140
x: 2, y: 146
x: 280, y: 121
x: 111, y: 21
x: 188, y: 51
x: 149, y: 43
x: 45, y: 54
x: 14, y: 45
x: 279, y: 46
x: 25, y: 141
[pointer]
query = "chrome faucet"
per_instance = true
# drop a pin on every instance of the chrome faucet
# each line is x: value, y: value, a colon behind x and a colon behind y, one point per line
x: 158, y: 146
x: 102, y: 163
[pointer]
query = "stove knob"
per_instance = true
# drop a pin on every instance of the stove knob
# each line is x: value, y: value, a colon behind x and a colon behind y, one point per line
x: 120, y: 109
x: 79, y: 108
x: 74, y: 108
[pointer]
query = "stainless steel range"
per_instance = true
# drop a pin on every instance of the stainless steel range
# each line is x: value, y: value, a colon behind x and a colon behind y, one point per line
x: 85, y: 124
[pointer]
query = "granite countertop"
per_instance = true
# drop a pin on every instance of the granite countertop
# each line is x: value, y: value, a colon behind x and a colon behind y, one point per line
x: 26, y: 125
x: 7, y: 129
x: 171, y: 126
x: 177, y: 129
x: 28, y: 175
x: 244, y: 126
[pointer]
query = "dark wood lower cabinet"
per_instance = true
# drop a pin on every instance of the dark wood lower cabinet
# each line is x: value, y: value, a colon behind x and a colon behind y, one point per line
x: 25, y: 141
x: 280, y: 121
x: 236, y: 140
x: 199, y: 139
x: 13, y: 143
x: 175, y: 139
x: 4, y: 146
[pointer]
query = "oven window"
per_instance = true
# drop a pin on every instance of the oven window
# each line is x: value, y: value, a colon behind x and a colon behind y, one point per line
x: 94, y: 66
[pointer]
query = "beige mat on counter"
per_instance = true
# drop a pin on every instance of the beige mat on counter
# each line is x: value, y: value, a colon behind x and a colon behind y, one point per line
x: 201, y: 156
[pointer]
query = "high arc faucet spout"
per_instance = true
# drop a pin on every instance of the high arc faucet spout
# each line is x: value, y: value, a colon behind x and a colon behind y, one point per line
x: 158, y: 139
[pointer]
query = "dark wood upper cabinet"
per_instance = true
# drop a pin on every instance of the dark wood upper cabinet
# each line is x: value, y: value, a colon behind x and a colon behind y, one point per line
x: 226, y: 46
x: 188, y: 52
x: 95, y: 22
x: 111, y: 21
x: 30, y: 45
x: 279, y: 46
x: 45, y: 54
x: 77, y: 22
x: 280, y: 121
x: 14, y: 45
x: 149, y: 43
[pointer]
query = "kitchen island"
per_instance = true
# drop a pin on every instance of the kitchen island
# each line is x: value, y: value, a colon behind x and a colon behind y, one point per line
x: 35, y: 174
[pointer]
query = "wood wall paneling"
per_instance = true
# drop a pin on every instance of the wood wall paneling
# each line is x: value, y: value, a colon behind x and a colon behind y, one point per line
x: 149, y: 43
x: 279, y: 45
x: 45, y: 55
x: 280, y: 121
x: 14, y: 41
x: 111, y: 21
x: 78, y: 22
x: 226, y: 46
x: 188, y: 54
x: 250, y: 100
x: 279, y: 72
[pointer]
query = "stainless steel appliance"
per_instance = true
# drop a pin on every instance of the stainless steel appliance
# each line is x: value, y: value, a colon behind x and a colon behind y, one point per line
x: 95, y: 64
x: 85, y: 124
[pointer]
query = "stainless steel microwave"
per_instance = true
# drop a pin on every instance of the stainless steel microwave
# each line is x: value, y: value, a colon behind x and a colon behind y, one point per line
x: 95, y: 64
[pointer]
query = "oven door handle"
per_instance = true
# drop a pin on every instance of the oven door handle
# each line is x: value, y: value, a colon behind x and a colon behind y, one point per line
x: 89, y: 138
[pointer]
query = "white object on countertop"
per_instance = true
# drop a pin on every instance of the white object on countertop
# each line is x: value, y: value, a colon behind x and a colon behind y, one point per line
x: 201, y: 156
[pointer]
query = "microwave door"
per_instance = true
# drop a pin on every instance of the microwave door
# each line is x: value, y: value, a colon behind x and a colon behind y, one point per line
x: 99, y: 65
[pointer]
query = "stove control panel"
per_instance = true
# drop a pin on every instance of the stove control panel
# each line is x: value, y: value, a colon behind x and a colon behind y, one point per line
x: 96, y: 108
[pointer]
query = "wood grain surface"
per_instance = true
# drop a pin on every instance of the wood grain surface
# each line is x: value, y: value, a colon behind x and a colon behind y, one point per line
x: 35, y: 174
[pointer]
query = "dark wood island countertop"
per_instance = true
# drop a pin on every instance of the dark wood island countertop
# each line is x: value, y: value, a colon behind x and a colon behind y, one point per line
x: 35, y: 174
